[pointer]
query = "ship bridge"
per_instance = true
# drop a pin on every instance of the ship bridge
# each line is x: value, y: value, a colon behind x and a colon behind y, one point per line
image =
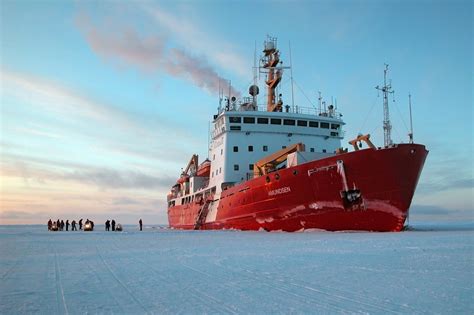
x: 244, y: 134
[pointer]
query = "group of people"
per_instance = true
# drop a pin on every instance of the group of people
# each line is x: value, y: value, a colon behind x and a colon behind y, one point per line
x: 59, y: 225
x: 109, y: 224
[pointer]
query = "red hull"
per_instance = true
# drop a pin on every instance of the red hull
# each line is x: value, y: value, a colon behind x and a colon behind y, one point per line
x: 308, y: 196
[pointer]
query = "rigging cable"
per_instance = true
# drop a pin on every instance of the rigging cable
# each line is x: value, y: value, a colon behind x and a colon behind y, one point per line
x: 303, y: 93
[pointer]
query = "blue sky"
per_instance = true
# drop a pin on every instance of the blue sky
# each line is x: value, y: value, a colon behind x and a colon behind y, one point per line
x: 102, y: 103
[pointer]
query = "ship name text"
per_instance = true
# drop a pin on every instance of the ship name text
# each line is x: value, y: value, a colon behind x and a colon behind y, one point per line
x: 279, y: 191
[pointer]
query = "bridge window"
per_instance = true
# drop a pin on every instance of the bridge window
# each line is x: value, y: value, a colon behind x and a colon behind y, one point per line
x: 325, y: 125
x: 302, y: 123
x: 236, y: 167
x: 334, y: 126
x: 249, y: 120
x: 283, y: 146
x: 234, y: 120
x: 262, y: 120
x: 324, y: 150
x: 236, y: 149
x: 275, y: 121
x: 289, y: 122
x: 251, y: 167
x: 311, y: 150
x: 234, y: 127
x: 265, y: 148
x: 250, y: 148
x: 334, y: 134
x: 313, y: 124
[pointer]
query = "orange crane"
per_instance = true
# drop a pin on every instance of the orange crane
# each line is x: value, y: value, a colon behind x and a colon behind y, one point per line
x: 270, y: 163
x: 365, y: 138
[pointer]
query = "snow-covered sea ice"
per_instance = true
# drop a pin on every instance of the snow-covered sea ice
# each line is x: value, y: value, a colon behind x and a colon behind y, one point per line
x: 428, y: 269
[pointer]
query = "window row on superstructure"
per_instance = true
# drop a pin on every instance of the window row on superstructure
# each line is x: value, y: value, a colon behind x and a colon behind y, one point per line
x: 280, y: 121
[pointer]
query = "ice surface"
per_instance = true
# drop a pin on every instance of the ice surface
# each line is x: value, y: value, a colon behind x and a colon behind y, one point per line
x: 429, y: 269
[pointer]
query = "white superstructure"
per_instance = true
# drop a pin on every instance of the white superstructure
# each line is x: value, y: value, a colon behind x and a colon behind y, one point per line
x: 242, y: 137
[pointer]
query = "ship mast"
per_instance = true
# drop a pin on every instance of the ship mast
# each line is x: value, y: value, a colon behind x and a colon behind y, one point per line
x: 270, y: 62
x: 410, y: 135
x: 387, y: 127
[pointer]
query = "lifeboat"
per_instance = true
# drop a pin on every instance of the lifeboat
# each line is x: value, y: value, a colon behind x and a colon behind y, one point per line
x: 204, y: 169
x: 183, y: 179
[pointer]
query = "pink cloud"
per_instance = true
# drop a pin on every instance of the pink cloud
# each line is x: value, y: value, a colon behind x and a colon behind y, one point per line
x: 149, y: 54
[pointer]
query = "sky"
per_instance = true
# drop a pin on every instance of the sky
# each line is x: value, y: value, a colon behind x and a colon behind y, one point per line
x: 103, y: 102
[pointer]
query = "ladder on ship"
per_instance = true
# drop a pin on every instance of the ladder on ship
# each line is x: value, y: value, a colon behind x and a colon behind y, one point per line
x: 202, y: 214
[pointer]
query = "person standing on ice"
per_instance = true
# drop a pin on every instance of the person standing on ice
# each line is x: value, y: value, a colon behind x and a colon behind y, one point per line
x: 50, y: 224
x: 58, y: 224
x: 80, y: 224
x: 67, y: 225
x: 62, y: 225
x: 141, y: 224
x: 113, y: 225
x: 107, y: 225
x: 73, y: 225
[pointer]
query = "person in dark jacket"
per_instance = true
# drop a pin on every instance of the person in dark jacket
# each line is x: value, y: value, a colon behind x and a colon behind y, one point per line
x: 67, y: 225
x: 141, y: 224
x: 92, y: 225
x: 50, y: 224
x: 62, y: 225
x: 107, y: 225
x: 113, y: 225
x: 73, y: 225
x: 58, y: 224
x: 80, y: 224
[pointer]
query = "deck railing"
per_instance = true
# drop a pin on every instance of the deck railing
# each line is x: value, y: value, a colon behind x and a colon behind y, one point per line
x: 246, y: 107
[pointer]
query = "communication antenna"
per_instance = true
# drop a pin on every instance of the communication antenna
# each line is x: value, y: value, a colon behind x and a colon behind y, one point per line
x: 255, y: 64
x: 410, y: 135
x: 320, y: 101
x: 230, y: 89
x: 386, y: 90
x: 255, y: 80
x: 291, y: 77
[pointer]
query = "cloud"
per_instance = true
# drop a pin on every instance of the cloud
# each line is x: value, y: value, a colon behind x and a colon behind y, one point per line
x: 197, y: 39
x: 53, y: 111
x: 126, y: 45
x: 447, y: 172
x: 109, y: 178
x: 126, y: 201
x: 59, y: 99
x: 437, y: 213
x: 150, y: 55
x: 43, y: 170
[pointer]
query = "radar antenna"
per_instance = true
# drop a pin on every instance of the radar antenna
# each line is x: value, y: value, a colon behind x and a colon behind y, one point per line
x: 386, y: 90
